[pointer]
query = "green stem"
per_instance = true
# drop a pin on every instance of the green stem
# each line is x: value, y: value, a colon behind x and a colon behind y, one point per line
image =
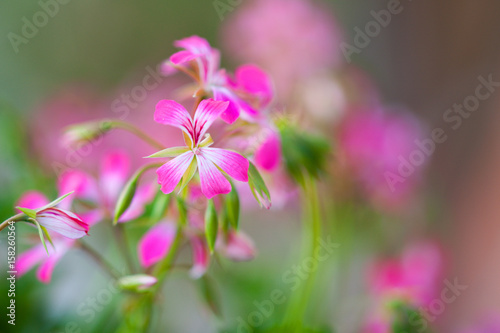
x: 295, y: 313
x: 137, y: 132
x: 161, y: 271
x: 121, y: 240
x: 99, y: 259
x: 15, y: 218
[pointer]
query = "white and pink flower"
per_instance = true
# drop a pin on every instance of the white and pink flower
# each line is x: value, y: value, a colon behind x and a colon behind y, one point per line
x: 198, y: 154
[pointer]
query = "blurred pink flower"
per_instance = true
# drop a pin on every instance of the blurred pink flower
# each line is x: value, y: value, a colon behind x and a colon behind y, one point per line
x: 201, y: 256
x: 291, y: 39
x: 373, y: 144
x: 413, y: 279
x: 37, y: 255
x: 156, y: 243
x: 208, y: 160
x: 104, y: 191
x: 237, y: 246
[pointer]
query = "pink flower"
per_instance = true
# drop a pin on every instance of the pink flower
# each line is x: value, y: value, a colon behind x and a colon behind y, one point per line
x: 208, y: 160
x: 374, y: 144
x: 156, y: 243
x: 37, y: 255
x: 238, y: 246
x: 268, y: 154
x: 59, y: 220
x: 292, y: 39
x: 250, y: 91
x: 412, y: 279
x: 201, y: 257
x: 104, y: 191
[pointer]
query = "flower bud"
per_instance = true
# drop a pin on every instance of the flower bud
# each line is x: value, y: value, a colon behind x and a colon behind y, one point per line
x: 86, y: 132
x: 63, y: 222
x: 138, y: 282
x: 211, y: 225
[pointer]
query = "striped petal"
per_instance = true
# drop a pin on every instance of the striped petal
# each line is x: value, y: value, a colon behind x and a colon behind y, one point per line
x: 206, y: 113
x: 170, y: 174
x: 63, y: 222
x: 155, y: 243
x: 212, y: 180
x: 232, y: 163
x: 171, y: 113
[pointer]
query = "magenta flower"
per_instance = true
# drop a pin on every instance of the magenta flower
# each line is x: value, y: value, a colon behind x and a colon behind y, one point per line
x: 197, y: 154
x: 155, y: 243
x: 247, y: 93
x: 59, y: 220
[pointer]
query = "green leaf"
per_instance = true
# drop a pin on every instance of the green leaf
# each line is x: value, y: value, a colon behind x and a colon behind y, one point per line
x: 258, y: 187
x: 30, y: 212
x: 182, y: 209
x: 233, y: 207
x: 47, y: 235
x: 125, y: 198
x: 169, y: 152
x: 160, y: 206
x: 211, y: 225
x: 56, y: 201
x: 40, y: 233
x: 188, y: 175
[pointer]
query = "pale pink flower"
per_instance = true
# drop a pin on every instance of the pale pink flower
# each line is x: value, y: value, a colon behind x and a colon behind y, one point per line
x: 201, y: 256
x: 156, y: 243
x: 104, y: 191
x: 208, y: 160
x: 247, y: 93
x: 59, y: 220
x: 236, y: 246
x: 291, y: 39
x: 37, y: 255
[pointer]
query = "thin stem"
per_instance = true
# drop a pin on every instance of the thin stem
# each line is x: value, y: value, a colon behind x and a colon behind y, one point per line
x: 298, y: 305
x: 121, y: 240
x: 99, y: 259
x: 138, y: 132
x: 15, y: 218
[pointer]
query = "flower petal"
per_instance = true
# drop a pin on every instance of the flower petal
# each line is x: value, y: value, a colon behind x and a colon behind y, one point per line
x: 155, y: 243
x: 44, y: 272
x: 182, y: 57
x: 239, y: 247
x: 32, y: 200
x: 212, y: 180
x: 206, y: 113
x: 171, y: 113
x: 195, y: 44
x: 201, y: 257
x: 268, y: 155
x: 233, y: 110
x: 28, y: 259
x: 63, y: 222
x: 232, y: 163
x: 114, y: 171
x: 170, y: 174
x: 255, y: 81
x: 79, y: 182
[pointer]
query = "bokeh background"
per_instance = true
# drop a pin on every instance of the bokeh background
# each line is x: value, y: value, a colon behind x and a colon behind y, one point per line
x: 428, y: 58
